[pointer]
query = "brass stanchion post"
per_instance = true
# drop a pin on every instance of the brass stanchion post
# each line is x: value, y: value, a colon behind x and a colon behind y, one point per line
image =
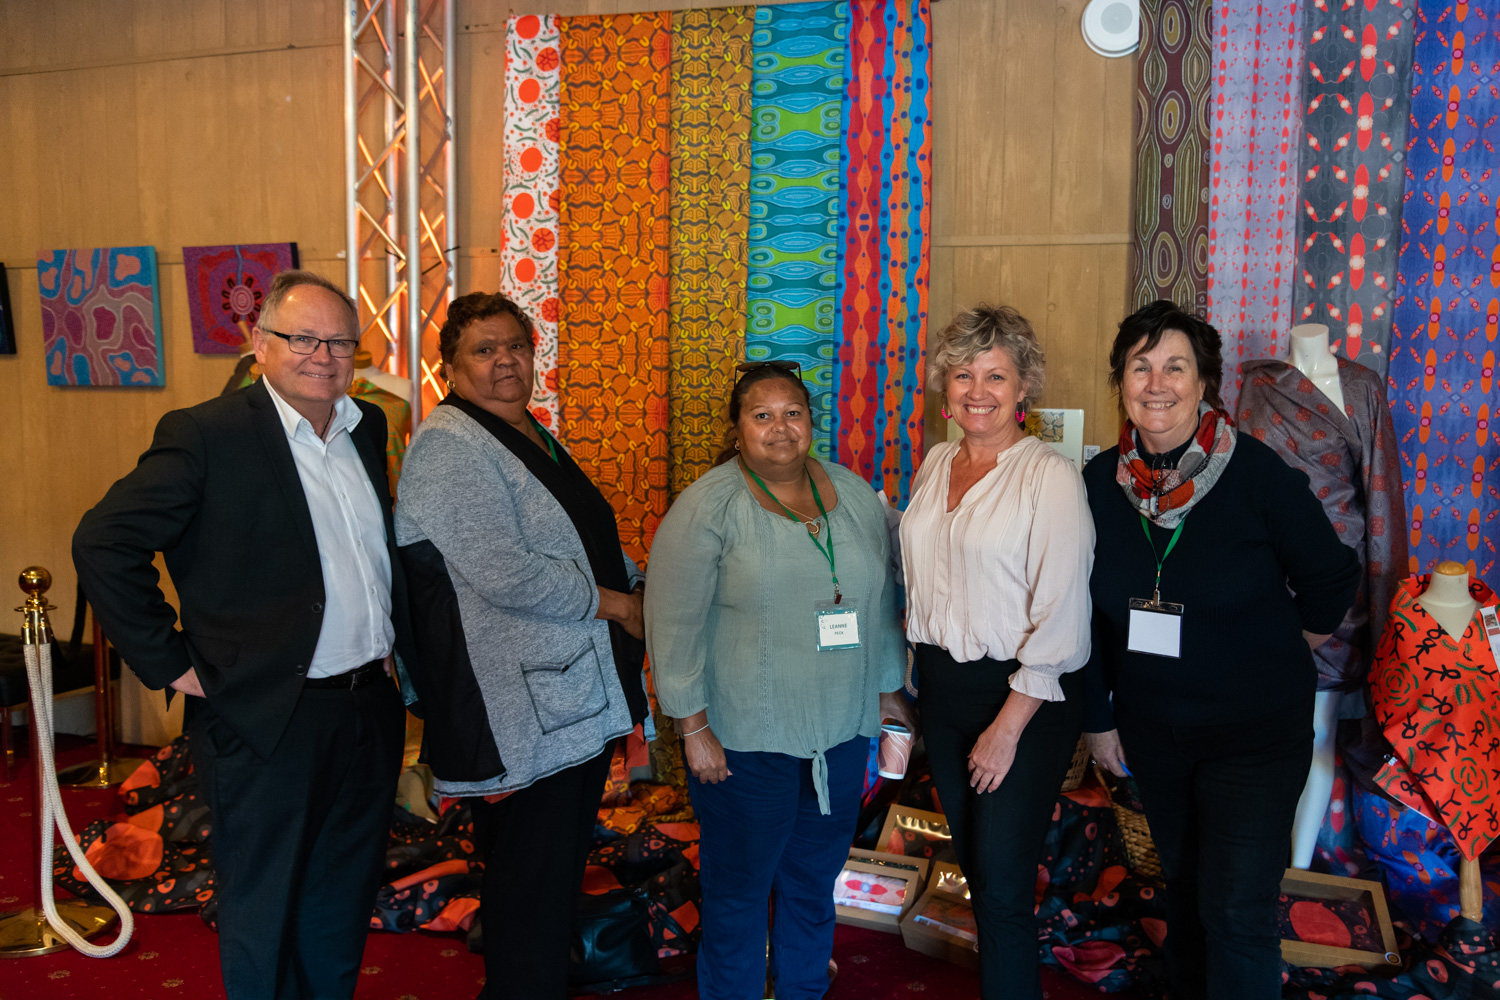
x: 27, y: 932
x: 106, y: 769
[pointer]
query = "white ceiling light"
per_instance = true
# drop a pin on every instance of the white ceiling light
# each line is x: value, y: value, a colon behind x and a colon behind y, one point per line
x: 1112, y: 28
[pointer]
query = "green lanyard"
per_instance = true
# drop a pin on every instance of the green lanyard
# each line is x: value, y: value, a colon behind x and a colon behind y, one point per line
x: 551, y: 448
x: 1161, y: 559
x: 828, y: 551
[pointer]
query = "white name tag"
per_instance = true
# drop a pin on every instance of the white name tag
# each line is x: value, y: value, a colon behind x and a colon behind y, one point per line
x: 1155, y: 628
x: 1491, y: 622
x: 838, y: 626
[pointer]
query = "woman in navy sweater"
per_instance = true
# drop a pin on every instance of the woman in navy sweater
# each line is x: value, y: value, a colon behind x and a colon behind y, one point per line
x: 1216, y: 573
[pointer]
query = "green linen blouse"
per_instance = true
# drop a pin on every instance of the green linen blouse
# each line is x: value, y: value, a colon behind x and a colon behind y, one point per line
x: 731, y: 626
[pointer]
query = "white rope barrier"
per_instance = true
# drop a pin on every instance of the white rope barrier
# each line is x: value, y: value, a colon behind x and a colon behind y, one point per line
x: 39, y: 676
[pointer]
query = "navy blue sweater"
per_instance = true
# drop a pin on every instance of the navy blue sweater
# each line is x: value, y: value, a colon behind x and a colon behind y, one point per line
x: 1256, y: 564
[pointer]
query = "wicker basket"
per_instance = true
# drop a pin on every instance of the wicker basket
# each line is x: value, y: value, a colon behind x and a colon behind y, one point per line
x: 1140, y: 849
x: 1079, y: 767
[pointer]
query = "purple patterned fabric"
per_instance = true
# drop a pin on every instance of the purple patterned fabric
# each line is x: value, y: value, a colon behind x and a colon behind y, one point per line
x: 1256, y: 120
x: 1355, y: 102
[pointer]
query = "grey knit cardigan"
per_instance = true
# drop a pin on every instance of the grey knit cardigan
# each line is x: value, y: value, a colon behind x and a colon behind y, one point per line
x: 541, y: 663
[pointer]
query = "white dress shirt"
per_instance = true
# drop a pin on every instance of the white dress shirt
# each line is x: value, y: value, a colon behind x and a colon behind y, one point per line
x: 1005, y: 574
x: 350, y: 529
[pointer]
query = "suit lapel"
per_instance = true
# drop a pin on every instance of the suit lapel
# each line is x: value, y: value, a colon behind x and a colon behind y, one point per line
x: 279, y: 451
x: 372, y: 456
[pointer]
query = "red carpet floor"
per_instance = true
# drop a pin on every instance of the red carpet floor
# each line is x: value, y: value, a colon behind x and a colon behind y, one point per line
x: 175, y: 957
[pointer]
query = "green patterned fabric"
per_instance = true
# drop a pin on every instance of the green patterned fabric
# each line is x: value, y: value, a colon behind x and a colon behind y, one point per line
x: 1169, y: 258
x: 796, y: 103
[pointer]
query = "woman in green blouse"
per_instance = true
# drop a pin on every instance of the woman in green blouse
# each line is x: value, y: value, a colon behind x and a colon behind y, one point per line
x: 772, y: 632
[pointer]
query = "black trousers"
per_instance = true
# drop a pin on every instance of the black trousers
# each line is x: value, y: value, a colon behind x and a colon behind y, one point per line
x: 535, y: 844
x: 299, y: 839
x: 1221, y: 801
x: 999, y: 835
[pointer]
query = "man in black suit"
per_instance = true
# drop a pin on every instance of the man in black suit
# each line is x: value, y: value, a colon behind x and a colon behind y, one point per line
x: 271, y: 508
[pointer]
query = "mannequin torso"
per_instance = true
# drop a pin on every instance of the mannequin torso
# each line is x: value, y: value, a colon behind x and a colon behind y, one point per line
x: 1311, y: 356
x: 1447, y: 598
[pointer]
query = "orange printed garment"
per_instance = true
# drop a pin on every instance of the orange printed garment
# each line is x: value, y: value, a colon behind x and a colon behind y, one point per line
x: 614, y: 221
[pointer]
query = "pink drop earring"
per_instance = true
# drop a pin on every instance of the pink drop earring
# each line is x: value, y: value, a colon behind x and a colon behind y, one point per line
x: 1020, y: 415
x: 944, y: 411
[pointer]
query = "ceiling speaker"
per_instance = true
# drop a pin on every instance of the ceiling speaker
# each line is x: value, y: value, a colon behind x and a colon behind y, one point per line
x: 1112, y: 28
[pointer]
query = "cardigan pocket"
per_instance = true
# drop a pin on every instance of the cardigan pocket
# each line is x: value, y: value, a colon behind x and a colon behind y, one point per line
x: 569, y: 691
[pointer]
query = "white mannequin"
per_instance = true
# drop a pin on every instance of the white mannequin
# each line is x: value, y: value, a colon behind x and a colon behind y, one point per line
x: 364, y: 368
x: 1447, y: 598
x: 1311, y: 356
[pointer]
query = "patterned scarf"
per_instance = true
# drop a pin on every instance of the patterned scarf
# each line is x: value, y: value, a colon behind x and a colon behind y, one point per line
x: 1166, y: 495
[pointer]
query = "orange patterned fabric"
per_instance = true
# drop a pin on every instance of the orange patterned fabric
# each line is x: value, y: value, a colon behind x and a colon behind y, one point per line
x: 614, y: 221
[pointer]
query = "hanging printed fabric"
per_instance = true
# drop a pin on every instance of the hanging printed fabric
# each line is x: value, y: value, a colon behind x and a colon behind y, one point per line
x: 1252, y: 212
x: 1447, y: 308
x: 1169, y: 255
x: 612, y: 355
x: 884, y: 225
x: 710, y: 214
x: 799, y: 57
x: 1355, y: 103
x: 528, y: 244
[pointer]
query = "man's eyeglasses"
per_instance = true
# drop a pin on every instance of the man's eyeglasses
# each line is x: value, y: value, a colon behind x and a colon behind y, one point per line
x: 303, y: 344
x: 786, y: 366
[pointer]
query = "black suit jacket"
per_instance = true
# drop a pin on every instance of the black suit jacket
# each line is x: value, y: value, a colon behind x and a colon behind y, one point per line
x: 219, y: 496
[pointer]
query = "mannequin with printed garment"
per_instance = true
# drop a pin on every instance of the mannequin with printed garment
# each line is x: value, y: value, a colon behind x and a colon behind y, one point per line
x: 1328, y: 417
x: 1434, y: 675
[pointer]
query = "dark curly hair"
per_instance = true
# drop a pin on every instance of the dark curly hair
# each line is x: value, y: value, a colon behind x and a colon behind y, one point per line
x: 474, y: 307
x: 754, y: 376
x: 1143, y: 329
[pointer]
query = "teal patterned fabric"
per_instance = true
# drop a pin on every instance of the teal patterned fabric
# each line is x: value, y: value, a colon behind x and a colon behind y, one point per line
x: 795, y: 108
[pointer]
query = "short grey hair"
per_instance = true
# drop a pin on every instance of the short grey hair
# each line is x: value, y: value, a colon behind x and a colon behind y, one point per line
x: 285, y: 281
x: 983, y: 328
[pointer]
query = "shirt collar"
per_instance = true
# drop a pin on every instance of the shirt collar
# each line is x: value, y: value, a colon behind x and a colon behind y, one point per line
x: 346, y: 415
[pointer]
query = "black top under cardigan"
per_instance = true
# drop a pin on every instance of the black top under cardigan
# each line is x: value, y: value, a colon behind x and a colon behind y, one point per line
x: 1257, y: 563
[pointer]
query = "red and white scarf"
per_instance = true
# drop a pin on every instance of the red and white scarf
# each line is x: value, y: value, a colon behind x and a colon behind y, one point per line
x: 1166, y: 495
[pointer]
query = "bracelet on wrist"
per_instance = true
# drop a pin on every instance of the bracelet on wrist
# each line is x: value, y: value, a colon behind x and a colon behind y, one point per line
x: 695, y: 732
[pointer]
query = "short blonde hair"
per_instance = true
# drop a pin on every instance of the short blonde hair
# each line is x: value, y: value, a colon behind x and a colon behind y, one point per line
x: 983, y: 328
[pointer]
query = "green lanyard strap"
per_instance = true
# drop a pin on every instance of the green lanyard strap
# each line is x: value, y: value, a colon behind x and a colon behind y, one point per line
x: 828, y: 551
x: 1161, y: 559
x: 547, y: 437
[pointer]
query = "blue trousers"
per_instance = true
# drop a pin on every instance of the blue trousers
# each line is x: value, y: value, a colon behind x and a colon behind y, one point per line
x: 763, y: 836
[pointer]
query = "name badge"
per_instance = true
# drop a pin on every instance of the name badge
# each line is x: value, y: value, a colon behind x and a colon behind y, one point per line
x: 838, y: 625
x: 1155, y: 628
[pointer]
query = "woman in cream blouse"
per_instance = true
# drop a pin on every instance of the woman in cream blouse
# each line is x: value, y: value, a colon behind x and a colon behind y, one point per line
x: 997, y: 545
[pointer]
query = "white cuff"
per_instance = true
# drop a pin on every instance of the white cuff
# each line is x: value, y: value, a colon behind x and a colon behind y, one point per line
x: 1037, y: 684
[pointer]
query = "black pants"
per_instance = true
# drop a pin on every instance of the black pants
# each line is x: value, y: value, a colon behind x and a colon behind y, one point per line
x: 535, y: 844
x: 998, y: 835
x: 299, y: 839
x: 1221, y: 801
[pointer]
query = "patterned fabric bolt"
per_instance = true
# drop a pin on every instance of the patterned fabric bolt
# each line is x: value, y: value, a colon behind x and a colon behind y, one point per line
x: 710, y: 216
x: 1169, y: 256
x: 1354, y: 114
x: 799, y: 58
x: 528, y: 245
x: 1442, y: 372
x: 1253, y: 206
x: 612, y: 355
x: 1433, y: 700
x: 884, y: 226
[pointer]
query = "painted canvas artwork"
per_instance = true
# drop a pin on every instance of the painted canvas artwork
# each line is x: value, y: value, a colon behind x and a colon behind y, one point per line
x: 101, y: 316
x: 7, y: 318
x: 227, y: 284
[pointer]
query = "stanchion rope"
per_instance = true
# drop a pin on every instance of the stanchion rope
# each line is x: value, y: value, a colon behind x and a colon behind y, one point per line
x: 39, y: 676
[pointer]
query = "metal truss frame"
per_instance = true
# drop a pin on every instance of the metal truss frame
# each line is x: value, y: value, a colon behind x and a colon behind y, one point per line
x: 401, y: 227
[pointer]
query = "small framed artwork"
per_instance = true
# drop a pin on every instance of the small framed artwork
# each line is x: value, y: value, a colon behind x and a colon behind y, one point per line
x: 101, y: 316
x: 226, y: 286
x: 876, y: 889
x: 1329, y: 921
x: 916, y: 833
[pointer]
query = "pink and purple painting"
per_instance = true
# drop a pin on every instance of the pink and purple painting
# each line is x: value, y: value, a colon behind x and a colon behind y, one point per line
x: 101, y: 316
x: 228, y: 284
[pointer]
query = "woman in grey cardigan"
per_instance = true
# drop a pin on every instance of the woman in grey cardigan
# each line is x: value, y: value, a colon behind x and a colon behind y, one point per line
x: 529, y: 616
x: 772, y: 629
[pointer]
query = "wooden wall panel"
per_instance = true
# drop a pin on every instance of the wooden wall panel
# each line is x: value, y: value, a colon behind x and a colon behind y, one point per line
x: 211, y: 121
